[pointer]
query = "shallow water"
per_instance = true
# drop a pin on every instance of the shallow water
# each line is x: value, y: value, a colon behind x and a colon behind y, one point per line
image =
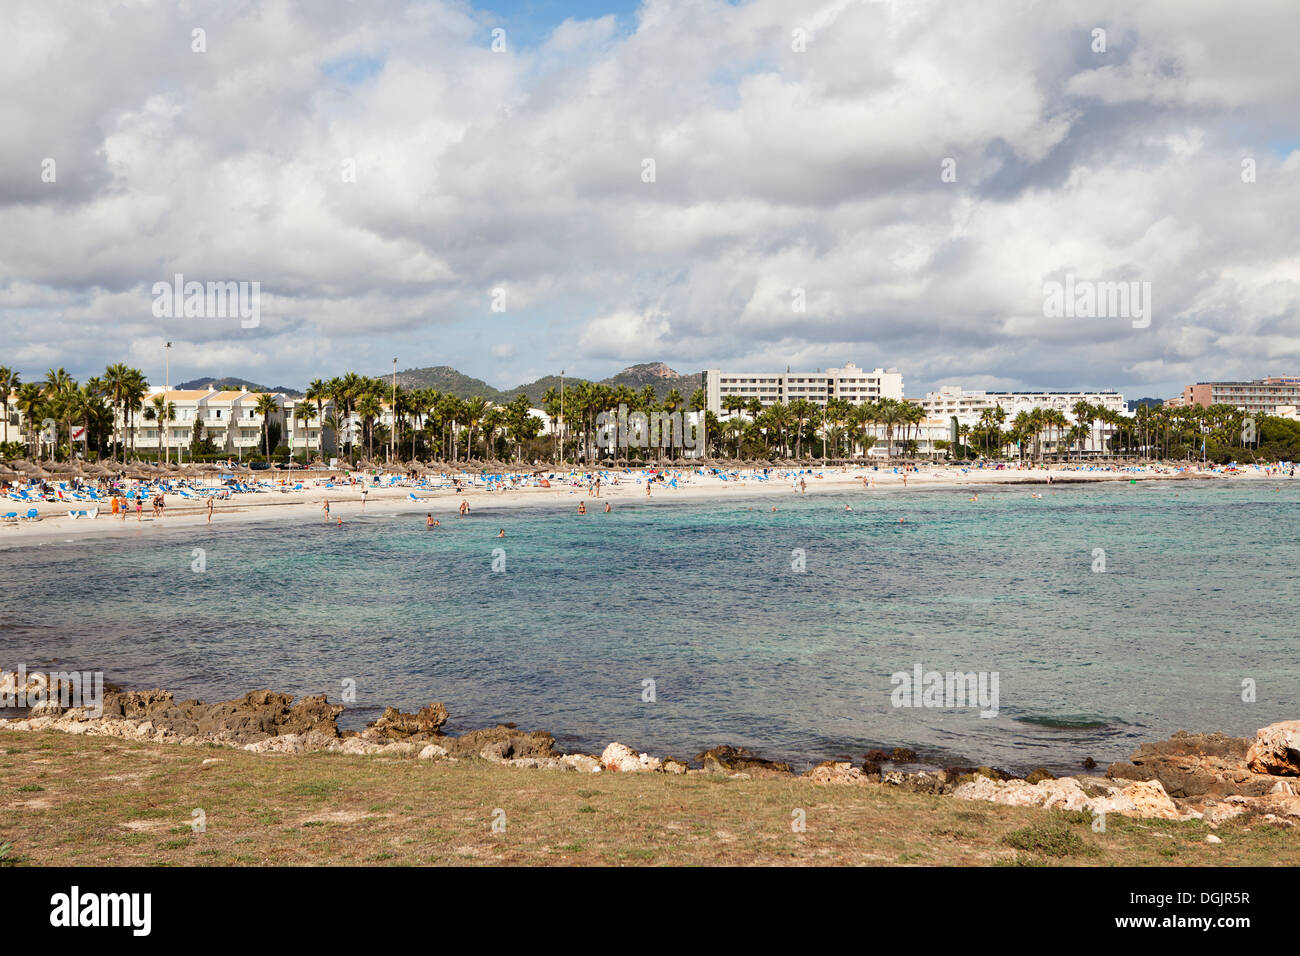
x: 1198, y: 594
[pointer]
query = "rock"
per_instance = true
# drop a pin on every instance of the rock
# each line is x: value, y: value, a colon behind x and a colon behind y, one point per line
x: 739, y: 760
x: 1089, y: 763
x: 1194, y: 765
x: 1276, y: 749
x: 672, y: 765
x: 499, y: 743
x: 837, y: 772
x: 1211, y: 838
x: 1039, y: 775
x: 1217, y: 813
x: 1063, y: 794
x: 583, y: 763
x: 626, y: 760
x: 432, y: 752
x: 903, y: 755
x: 359, y: 746
x: 394, y: 725
x: 877, y: 756
x: 1150, y: 800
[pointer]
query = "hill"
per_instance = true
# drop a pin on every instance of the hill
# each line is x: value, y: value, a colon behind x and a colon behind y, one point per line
x: 448, y: 380
x: 230, y: 382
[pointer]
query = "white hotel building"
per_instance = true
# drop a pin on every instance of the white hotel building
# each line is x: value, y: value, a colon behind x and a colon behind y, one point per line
x: 951, y: 401
x: 230, y: 420
x: 849, y: 383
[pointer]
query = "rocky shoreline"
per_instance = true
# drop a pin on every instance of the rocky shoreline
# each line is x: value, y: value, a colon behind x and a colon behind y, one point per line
x: 1211, y: 777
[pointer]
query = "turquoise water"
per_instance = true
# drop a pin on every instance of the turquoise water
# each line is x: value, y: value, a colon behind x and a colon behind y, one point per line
x: 1198, y: 595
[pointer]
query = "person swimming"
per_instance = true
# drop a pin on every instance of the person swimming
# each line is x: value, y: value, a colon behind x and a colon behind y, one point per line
x: 608, y: 509
x: 501, y: 533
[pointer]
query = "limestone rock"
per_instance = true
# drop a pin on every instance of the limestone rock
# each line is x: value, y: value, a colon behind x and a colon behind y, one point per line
x: 1276, y: 749
x: 394, y: 725
x: 432, y: 752
x: 837, y: 772
x: 731, y: 760
x: 624, y: 759
x: 583, y: 763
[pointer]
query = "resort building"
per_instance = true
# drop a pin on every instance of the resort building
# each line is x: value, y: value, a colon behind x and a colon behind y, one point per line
x: 229, y: 419
x: 1261, y: 395
x: 968, y: 406
x: 849, y: 383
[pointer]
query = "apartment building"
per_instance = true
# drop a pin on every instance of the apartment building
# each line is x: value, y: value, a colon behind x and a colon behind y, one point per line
x: 229, y: 417
x: 967, y: 406
x: 1261, y: 395
x: 849, y: 383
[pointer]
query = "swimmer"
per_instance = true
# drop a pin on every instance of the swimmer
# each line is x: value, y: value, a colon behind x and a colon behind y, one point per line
x: 340, y: 522
x: 848, y: 507
x: 501, y: 533
x: 582, y: 507
x: 428, y: 521
x: 608, y: 509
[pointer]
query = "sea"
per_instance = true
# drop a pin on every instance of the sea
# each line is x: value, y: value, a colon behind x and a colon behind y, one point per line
x: 802, y: 627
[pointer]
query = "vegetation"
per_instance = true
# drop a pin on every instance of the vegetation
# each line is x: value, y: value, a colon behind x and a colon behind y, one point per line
x: 438, y: 424
x: 114, y: 802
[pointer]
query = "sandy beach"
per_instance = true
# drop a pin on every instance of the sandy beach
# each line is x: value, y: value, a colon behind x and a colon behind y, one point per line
x: 567, y: 490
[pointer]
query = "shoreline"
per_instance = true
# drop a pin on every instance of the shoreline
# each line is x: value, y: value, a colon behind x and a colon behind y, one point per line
x: 1209, y: 777
x: 306, y: 505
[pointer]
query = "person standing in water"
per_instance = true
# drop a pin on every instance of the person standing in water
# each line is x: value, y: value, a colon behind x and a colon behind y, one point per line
x: 209, y: 510
x: 326, y: 508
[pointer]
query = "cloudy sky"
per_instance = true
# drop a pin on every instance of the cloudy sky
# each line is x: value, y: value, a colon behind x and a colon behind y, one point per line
x: 386, y: 175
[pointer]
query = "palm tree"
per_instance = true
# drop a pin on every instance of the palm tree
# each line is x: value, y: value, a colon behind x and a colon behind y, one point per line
x: 30, y: 400
x: 266, y: 407
x: 800, y: 410
x: 162, y: 411
x: 9, y: 383
x: 369, y: 408
x: 304, y: 412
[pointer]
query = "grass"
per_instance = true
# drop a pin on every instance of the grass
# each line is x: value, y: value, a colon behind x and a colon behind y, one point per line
x: 110, y: 802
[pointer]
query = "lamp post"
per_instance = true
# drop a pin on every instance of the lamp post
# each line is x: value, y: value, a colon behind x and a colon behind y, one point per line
x: 392, y: 431
x: 167, y: 387
x: 561, y: 429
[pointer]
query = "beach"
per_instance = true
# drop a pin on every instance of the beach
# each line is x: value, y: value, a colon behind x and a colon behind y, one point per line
x: 279, y: 501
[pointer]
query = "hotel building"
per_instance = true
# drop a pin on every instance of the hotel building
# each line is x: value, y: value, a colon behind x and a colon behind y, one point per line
x: 1261, y: 395
x: 849, y: 383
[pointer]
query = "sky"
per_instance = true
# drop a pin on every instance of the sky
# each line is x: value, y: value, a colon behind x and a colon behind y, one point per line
x: 519, y: 188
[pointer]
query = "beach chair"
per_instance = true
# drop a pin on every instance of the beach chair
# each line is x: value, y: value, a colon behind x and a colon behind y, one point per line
x: 32, y: 515
x: 12, y: 516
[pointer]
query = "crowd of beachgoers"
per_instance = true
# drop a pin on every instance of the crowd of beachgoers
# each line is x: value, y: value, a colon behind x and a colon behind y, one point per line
x: 75, y: 501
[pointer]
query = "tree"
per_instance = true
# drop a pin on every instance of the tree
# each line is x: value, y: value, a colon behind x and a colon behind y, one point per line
x: 266, y: 407
x: 9, y: 382
x: 163, y: 412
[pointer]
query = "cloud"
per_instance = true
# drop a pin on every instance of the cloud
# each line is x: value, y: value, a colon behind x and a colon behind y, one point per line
x: 380, y: 170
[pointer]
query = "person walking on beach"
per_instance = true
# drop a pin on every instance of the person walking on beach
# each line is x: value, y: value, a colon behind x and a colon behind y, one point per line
x: 364, y: 491
x: 326, y: 509
x: 596, y: 485
x: 464, y: 507
x: 209, y: 510
x: 803, y: 486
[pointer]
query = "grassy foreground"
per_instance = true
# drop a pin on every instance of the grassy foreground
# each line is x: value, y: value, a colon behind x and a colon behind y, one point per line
x: 92, y: 800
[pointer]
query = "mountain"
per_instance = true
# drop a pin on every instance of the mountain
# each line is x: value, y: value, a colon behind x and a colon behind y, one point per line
x: 660, y: 376
x: 449, y: 381
x: 229, y: 382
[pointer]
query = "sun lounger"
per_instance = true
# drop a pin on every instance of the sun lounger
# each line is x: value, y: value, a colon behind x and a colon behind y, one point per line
x: 84, y: 513
x: 32, y: 515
